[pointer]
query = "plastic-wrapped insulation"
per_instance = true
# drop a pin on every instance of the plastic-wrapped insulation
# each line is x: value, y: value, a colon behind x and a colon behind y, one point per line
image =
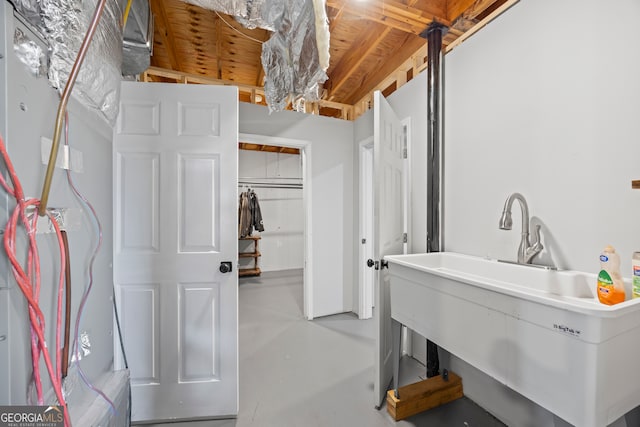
x: 138, y: 39
x: 30, y: 9
x: 290, y: 58
x: 65, y: 23
x: 250, y: 13
x: 296, y: 57
x: 29, y: 53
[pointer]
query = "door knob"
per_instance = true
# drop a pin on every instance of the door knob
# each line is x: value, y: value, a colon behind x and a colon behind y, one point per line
x: 226, y: 267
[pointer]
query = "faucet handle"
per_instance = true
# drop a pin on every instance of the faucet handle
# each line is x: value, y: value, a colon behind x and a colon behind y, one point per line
x: 537, y: 242
x: 535, y: 248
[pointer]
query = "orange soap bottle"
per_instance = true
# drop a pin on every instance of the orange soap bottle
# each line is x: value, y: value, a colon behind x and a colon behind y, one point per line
x: 610, y: 283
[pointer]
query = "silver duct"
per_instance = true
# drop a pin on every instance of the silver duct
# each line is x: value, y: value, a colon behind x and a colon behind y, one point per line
x: 63, y: 24
x: 296, y: 57
x: 137, y: 44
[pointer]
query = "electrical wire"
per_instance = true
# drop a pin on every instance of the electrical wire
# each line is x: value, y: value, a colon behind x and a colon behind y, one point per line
x: 237, y: 30
x: 115, y: 310
x: 29, y: 281
x: 67, y: 307
x: 76, y: 342
x: 126, y: 13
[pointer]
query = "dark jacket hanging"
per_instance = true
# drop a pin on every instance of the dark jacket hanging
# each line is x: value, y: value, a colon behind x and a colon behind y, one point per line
x: 244, y: 216
x: 249, y: 214
x: 256, y: 214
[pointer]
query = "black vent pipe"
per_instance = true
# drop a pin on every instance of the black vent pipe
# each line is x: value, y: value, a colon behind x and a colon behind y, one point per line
x: 434, y: 34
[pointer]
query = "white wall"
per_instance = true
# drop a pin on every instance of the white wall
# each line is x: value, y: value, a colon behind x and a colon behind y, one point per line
x: 566, y: 104
x: 22, y: 129
x: 282, y: 241
x: 542, y: 101
x: 332, y: 197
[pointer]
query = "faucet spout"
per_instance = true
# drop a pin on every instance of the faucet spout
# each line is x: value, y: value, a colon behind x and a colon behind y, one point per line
x: 526, y: 251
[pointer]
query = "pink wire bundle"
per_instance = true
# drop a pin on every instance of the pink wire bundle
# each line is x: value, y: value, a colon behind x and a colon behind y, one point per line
x: 28, y: 281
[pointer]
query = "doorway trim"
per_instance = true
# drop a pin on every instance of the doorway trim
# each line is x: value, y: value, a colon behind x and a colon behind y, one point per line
x: 305, y: 154
x: 365, y: 232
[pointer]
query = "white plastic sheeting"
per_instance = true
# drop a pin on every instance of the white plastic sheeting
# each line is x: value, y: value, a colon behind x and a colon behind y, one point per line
x: 296, y: 57
x: 63, y: 23
x: 30, y: 9
x: 250, y: 13
x: 29, y: 53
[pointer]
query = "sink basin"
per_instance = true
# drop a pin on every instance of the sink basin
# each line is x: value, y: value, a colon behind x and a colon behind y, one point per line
x: 573, y: 290
x: 541, y: 332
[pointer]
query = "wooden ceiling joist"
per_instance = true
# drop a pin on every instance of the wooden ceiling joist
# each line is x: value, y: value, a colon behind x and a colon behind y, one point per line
x: 352, y: 60
x: 164, y: 29
x: 268, y: 148
x: 394, y: 14
x: 374, y: 45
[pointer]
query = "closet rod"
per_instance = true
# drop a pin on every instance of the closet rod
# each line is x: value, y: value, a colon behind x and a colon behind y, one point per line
x: 268, y: 185
x: 252, y: 178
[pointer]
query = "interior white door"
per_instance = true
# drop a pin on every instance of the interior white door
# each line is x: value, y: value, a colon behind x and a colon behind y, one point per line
x: 175, y: 179
x: 388, y: 154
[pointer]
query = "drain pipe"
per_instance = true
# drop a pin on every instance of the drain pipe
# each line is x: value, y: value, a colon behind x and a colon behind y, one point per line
x: 434, y: 34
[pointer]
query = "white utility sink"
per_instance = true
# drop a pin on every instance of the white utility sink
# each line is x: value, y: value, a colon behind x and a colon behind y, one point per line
x: 541, y: 332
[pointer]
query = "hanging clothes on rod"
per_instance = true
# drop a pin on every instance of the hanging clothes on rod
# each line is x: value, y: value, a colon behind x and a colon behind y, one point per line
x: 249, y: 214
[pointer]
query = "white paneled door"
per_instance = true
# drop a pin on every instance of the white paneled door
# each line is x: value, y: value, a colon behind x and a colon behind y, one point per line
x: 388, y: 158
x: 175, y: 186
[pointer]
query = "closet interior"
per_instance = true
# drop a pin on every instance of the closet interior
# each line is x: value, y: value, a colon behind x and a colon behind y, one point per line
x: 270, y: 209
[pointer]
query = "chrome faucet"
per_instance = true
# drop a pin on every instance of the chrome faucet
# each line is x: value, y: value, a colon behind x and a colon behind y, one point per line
x: 526, y: 250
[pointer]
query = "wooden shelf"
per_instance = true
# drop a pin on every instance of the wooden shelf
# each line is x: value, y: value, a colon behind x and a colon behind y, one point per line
x: 249, y: 272
x: 255, y: 254
x: 249, y: 254
x: 635, y: 184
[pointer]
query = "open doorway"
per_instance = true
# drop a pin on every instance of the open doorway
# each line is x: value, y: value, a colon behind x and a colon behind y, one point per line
x: 366, y: 276
x: 277, y: 171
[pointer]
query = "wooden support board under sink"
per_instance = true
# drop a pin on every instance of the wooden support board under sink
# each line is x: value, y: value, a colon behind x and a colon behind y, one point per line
x: 423, y: 395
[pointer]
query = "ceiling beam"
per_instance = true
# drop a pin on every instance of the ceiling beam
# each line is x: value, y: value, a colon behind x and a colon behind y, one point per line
x: 358, y: 52
x: 467, y: 17
x: 260, y: 70
x: 166, y: 33
x: 218, y: 23
x: 394, y: 14
x: 409, y: 47
x: 467, y: 9
x: 496, y: 9
x: 335, y: 18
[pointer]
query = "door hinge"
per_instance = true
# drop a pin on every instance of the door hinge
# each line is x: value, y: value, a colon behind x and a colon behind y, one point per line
x: 404, y: 142
x: 405, y: 238
x: 377, y: 265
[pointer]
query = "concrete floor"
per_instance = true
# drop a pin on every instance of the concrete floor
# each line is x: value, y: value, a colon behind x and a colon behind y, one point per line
x: 319, y: 373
